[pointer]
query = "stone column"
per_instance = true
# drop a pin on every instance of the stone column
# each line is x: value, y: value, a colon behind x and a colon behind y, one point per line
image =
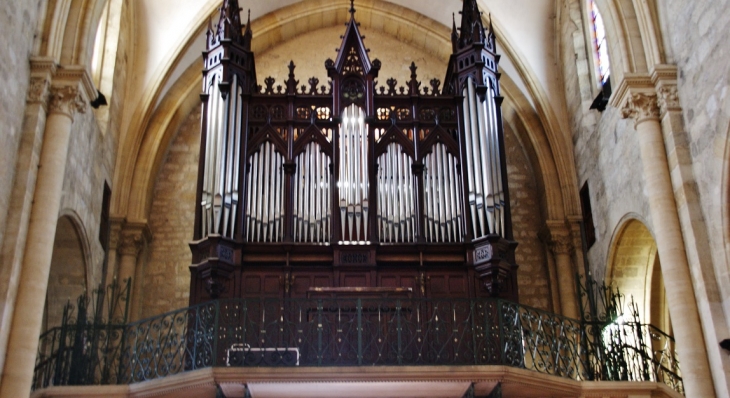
x: 133, y: 238
x: 560, y: 243
x: 130, y: 245
x: 68, y: 96
x: 21, y: 201
x: 115, y: 236
x: 640, y: 103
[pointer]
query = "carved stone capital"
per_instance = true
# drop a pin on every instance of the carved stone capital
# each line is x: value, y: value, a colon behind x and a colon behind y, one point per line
x: 668, y: 99
x: 641, y: 107
x: 66, y: 100
x: 131, y: 243
x: 556, y: 234
x: 38, y: 91
x: 133, y: 238
x: 561, y: 245
x: 116, y: 232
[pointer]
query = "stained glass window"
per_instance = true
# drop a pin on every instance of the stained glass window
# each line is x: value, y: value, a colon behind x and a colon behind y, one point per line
x: 600, y: 44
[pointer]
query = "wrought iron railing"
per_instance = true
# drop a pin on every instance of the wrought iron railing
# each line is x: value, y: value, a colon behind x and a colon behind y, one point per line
x: 86, y: 348
x: 389, y: 331
x: 619, y: 346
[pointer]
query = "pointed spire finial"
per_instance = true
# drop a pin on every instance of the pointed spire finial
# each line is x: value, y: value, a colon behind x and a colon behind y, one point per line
x: 472, y: 29
x: 454, y: 34
x: 352, y: 8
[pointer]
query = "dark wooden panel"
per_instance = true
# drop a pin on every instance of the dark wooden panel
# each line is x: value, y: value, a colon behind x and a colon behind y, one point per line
x: 262, y: 284
x: 355, y: 279
x: 447, y: 284
x: 397, y: 279
x: 304, y: 280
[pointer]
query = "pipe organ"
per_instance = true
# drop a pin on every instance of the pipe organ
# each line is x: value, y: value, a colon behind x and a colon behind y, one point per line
x: 357, y: 183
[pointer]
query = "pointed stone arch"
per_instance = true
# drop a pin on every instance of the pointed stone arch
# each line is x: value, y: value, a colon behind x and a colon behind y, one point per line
x: 69, y: 271
x: 633, y: 31
x: 634, y: 268
x: 144, y: 150
x: 69, y: 31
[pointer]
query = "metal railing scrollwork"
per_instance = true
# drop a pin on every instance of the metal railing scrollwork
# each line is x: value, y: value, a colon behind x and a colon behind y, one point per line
x: 384, y: 331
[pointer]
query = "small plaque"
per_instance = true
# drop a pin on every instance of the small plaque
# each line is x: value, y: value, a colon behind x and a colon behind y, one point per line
x: 483, y: 254
x: 225, y: 254
x: 355, y: 258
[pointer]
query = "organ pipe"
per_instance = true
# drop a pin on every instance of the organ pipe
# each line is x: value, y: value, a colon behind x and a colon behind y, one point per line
x: 220, y: 190
x: 265, y: 202
x: 395, y: 195
x: 485, y: 186
x: 312, y: 212
x: 442, y: 197
x: 353, y: 181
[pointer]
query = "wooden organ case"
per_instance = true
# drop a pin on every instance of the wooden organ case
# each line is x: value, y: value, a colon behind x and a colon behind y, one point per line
x: 347, y: 187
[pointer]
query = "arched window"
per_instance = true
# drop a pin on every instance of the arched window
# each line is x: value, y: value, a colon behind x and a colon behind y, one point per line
x: 97, y: 57
x: 600, y: 44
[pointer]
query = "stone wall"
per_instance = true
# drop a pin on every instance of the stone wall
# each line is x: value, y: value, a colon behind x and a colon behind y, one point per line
x: 605, y: 146
x: 533, y: 278
x: 18, y: 21
x: 700, y: 51
x: 83, y: 187
x: 166, y: 281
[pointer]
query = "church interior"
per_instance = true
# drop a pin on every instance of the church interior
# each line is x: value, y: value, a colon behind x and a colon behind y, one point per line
x: 368, y: 198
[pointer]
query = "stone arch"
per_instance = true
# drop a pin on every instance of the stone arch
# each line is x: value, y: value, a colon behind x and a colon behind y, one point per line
x: 69, y: 30
x: 634, y: 268
x: 107, y: 35
x: 135, y: 179
x: 635, y: 43
x: 69, y: 271
x: 725, y: 212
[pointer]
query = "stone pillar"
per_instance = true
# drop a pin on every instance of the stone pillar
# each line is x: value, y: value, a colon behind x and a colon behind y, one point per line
x: 694, y: 228
x: 561, y: 246
x: 21, y: 201
x: 639, y: 102
x: 134, y: 237
x: 69, y: 94
x: 115, y: 236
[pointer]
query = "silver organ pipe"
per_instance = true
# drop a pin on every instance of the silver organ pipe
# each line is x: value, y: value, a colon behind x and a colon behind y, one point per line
x: 396, y: 212
x: 219, y: 203
x: 485, y: 188
x: 442, y: 197
x: 311, y: 196
x: 497, y: 161
x: 353, y: 181
x: 265, y: 201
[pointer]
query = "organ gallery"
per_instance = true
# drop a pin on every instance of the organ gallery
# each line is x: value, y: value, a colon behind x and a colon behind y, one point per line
x: 355, y: 185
